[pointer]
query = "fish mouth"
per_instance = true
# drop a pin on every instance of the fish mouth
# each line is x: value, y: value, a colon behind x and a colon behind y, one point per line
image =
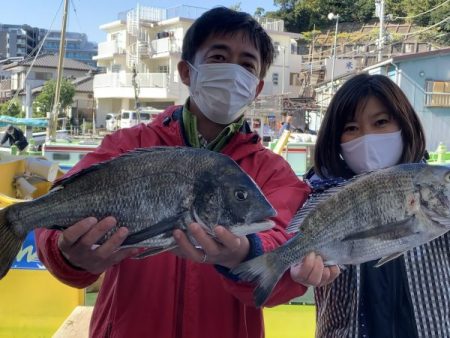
x: 243, y: 229
x: 239, y: 229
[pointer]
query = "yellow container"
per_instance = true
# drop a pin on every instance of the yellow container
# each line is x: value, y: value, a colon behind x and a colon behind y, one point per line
x: 290, y: 321
x: 33, y: 303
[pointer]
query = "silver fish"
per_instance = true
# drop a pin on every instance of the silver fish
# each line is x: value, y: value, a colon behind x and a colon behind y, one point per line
x: 151, y: 192
x: 378, y: 215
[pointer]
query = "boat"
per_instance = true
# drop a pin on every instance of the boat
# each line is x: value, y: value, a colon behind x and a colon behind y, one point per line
x: 441, y: 156
x: 67, y: 152
x: 297, y: 149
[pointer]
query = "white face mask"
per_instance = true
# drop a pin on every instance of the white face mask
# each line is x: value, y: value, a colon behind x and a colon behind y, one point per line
x: 373, y: 151
x: 222, y: 91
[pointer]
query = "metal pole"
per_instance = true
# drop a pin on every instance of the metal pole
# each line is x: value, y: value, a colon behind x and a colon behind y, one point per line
x: 312, y: 56
x: 54, y: 116
x: 334, y: 54
x: 284, y: 70
x: 381, y: 35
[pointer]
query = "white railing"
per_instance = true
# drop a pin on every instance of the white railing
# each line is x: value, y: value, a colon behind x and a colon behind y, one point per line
x: 270, y: 24
x: 436, y: 99
x: 123, y: 80
x: 165, y: 45
x: 109, y: 48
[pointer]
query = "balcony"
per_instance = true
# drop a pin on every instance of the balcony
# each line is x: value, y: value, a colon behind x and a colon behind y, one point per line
x: 164, y: 46
x: 438, y: 100
x: 120, y: 85
x: 108, y: 49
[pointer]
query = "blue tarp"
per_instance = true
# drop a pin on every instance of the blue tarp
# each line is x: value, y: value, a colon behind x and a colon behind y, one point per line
x: 7, y: 120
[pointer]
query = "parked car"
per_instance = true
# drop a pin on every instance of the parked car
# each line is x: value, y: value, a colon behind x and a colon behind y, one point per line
x: 112, y: 122
x: 129, y: 118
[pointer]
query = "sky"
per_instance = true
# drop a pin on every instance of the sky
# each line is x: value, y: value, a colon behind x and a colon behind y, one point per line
x: 85, y: 16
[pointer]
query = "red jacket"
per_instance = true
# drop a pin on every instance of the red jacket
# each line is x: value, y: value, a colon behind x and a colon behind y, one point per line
x: 167, y: 296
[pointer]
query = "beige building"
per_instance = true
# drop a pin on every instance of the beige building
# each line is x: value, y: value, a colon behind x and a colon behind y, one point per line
x: 149, y: 40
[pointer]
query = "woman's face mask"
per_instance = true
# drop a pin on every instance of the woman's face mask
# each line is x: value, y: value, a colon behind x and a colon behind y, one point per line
x: 373, y: 151
x: 222, y: 91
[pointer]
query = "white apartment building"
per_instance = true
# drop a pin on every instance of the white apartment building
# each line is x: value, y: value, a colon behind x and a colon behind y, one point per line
x: 149, y: 40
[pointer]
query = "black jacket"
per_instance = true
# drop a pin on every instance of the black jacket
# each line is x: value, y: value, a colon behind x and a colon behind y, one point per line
x: 17, y: 138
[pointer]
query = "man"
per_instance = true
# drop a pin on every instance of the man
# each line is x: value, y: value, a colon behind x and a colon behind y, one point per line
x: 190, y: 292
x: 15, y: 137
x: 286, y: 125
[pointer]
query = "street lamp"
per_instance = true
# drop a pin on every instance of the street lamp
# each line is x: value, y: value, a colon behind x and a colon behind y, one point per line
x: 332, y: 16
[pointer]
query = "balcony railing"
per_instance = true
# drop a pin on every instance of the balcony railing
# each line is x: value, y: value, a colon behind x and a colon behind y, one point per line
x: 435, y: 99
x: 123, y: 80
x: 109, y: 48
x: 165, y: 45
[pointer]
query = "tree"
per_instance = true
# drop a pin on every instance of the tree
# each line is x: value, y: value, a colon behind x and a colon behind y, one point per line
x: 259, y: 12
x: 11, y: 108
x: 236, y: 6
x: 44, y: 101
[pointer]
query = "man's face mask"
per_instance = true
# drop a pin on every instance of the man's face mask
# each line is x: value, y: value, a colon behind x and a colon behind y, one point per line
x: 222, y: 91
x: 373, y: 151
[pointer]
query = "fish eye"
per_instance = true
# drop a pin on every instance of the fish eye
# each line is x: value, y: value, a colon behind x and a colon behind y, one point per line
x: 447, y: 177
x: 240, y: 195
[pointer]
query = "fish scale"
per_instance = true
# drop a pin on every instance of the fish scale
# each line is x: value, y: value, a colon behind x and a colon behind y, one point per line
x: 379, y: 215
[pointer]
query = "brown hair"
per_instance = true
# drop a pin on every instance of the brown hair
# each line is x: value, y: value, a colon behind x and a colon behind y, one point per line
x: 343, y: 107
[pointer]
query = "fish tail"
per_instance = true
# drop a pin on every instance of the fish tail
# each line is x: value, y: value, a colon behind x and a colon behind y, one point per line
x: 10, y: 244
x: 265, y: 270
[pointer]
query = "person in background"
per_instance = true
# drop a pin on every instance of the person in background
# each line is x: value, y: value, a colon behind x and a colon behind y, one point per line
x: 286, y: 125
x: 15, y: 137
x: 369, y: 125
x: 190, y: 292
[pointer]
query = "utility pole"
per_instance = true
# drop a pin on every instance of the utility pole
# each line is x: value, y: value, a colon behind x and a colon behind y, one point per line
x: 51, y: 131
x: 332, y: 16
x: 312, y: 57
x: 379, y: 10
x: 135, y: 84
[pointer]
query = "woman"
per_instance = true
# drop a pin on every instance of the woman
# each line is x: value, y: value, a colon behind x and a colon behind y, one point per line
x: 371, y: 125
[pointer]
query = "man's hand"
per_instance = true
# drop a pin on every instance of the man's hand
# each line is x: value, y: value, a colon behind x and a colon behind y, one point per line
x: 312, y: 272
x: 77, y: 245
x: 227, y: 249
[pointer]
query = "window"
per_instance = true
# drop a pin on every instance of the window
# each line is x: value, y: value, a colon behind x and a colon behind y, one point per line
x: 115, y: 68
x: 294, y: 79
x: 276, y: 46
x: 438, y: 94
x: 164, y: 69
x: 275, y: 79
x: 61, y: 157
x: 42, y: 76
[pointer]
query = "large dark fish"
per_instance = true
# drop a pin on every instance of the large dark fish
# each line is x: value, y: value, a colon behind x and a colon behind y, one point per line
x: 151, y: 192
x: 379, y: 215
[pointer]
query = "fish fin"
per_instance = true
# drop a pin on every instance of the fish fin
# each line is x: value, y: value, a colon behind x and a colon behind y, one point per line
x: 321, y: 192
x: 265, y: 271
x: 154, y: 251
x: 10, y: 244
x: 311, y: 204
x: 389, y: 258
x: 390, y: 231
x: 166, y: 225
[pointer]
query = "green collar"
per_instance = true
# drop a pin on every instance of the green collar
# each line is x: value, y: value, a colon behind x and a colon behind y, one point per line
x: 197, y: 141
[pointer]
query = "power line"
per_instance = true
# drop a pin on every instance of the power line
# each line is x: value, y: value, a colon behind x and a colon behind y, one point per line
x: 426, y: 29
x: 40, y: 44
x: 423, y: 13
x: 78, y: 20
